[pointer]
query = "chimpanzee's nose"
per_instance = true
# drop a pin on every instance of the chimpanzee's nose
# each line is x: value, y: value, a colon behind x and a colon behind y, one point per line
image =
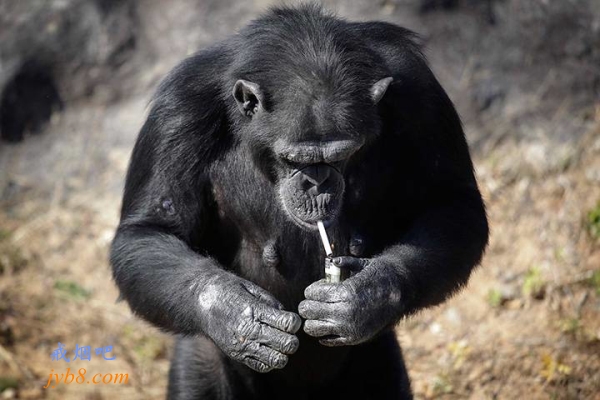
x: 315, y: 175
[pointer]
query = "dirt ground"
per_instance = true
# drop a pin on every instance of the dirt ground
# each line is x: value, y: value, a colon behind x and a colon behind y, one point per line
x: 526, y: 326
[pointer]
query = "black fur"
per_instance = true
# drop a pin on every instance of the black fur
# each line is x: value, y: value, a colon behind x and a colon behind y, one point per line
x: 214, y: 246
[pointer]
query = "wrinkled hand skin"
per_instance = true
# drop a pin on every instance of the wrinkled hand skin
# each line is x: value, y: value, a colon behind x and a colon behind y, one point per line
x: 355, y: 310
x: 247, y: 323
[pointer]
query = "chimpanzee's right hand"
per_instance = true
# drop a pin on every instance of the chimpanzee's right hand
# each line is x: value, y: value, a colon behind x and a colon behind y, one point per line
x: 248, y: 323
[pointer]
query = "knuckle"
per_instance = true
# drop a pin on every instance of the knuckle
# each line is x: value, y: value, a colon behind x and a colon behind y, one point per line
x: 285, y: 320
x: 296, y: 323
x: 257, y: 366
x: 243, y: 350
x: 262, y: 367
x: 247, y: 330
x: 312, y: 292
x: 248, y: 312
x: 303, y: 307
x: 347, y: 291
x: 290, y: 346
x: 278, y: 360
x: 309, y: 327
x: 289, y: 322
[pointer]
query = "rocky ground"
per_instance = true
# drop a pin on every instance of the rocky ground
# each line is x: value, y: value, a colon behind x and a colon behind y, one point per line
x: 528, y: 89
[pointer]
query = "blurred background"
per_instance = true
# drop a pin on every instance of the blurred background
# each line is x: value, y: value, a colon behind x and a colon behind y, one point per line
x: 75, y: 80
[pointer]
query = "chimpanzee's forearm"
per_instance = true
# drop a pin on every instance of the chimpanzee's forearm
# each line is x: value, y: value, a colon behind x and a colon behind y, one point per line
x: 436, y: 256
x: 161, y: 277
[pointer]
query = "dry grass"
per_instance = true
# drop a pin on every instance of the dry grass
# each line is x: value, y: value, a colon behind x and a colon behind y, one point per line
x: 528, y: 323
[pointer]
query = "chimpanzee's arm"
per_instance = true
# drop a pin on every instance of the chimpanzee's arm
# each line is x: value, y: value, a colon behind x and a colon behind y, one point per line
x: 165, y: 210
x: 432, y: 260
x: 449, y: 230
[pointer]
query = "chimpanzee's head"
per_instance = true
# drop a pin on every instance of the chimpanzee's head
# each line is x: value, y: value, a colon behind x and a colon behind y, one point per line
x: 307, y: 109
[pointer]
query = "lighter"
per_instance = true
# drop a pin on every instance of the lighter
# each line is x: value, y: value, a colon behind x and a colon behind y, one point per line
x: 332, y: 273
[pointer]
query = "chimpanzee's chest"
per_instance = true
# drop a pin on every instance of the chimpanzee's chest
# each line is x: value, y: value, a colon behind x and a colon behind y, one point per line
x: 255, y: 239
x: 268, y: 249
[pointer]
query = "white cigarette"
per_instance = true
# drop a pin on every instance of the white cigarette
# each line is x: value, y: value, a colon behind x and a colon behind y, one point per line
x: 324, y: 238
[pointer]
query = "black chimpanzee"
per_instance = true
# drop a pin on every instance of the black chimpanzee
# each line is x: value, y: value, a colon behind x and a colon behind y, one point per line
x: 300, y: 117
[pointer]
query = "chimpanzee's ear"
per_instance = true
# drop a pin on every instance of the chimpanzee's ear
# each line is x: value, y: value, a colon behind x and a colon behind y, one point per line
x: 379, y: 88
x: 248, y: 96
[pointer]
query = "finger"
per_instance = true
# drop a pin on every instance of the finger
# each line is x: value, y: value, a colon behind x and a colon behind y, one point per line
x: 353, y: 264
x: 327, y: 292
x: 318, y: 328
x: 271, y: 358
x: 264, y: 296
x: 310, y: 309
x: 278, y: 340
x: 335, y: 341
x: 283, y: 320
x: 256, y: 365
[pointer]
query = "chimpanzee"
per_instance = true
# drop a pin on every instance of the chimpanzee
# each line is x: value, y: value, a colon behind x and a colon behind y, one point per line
x: 301, y: 117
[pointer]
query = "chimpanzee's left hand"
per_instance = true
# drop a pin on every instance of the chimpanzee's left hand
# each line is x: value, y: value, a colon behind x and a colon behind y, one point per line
x: 355, y: 310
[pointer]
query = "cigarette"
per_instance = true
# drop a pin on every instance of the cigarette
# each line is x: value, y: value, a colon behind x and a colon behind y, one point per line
x: 324, y: 238
x: 332, y: 273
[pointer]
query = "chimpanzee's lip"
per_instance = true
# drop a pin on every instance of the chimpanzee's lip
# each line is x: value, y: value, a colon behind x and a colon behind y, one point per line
x: 328, y: 220
x: 310, y: 226
x: 306, y: 206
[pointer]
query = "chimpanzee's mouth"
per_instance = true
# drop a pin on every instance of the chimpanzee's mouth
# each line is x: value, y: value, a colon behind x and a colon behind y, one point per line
x: 308, y: 219
x: 313, y: 193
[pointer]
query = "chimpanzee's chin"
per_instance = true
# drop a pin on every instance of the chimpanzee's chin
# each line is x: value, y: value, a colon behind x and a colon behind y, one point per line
x: 305, y: 210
